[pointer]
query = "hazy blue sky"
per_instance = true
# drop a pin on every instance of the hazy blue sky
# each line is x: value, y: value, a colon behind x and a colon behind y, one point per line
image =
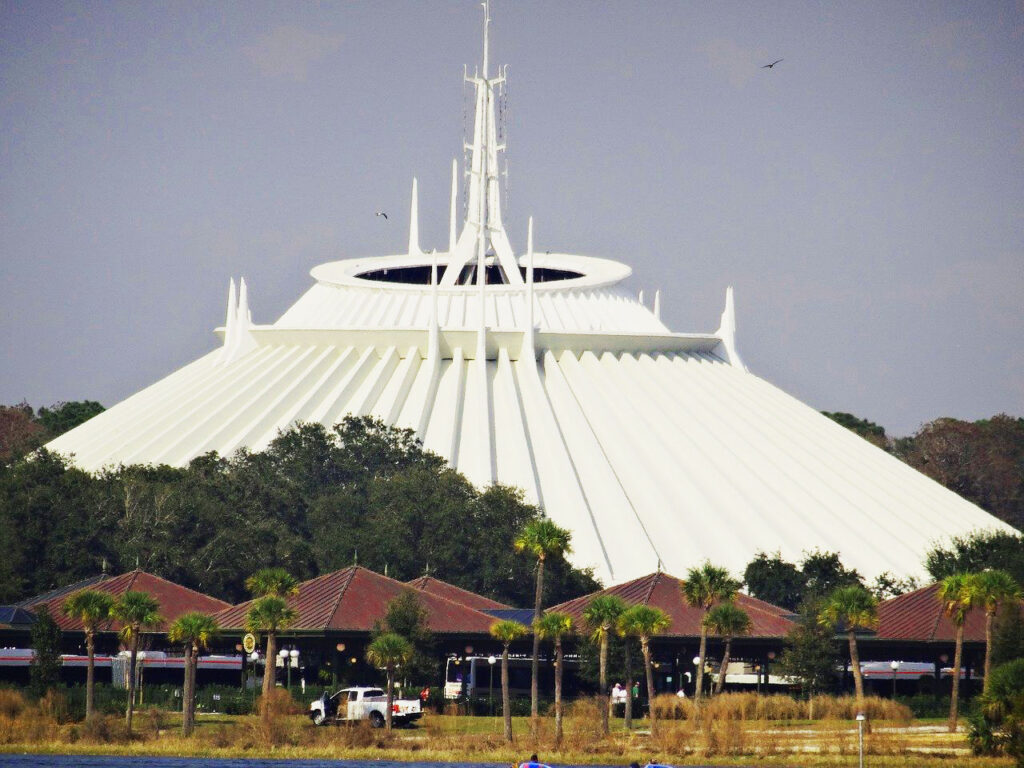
x: 865, y: 196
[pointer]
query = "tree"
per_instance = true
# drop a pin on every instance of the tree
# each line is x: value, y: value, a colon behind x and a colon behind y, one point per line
x: 824, y: 572
x: 276, y: 582
x: 958, y: 598
x: 600, y: 617
x: 628, y: 635
x: 506, y: 632
x: 775, y: 581
x: 542, y: 539
x: 809, y: 655
x: 999, y: 721
x: 998, y: 550
x: 407, y: 617
x: 20, y: 433
x: 44, y: 672
x: 990, y: 591
x: 136, y: 611
x: 269, y: 614
x: 92, y: 609
x: 389, y: 651
x: 645, y: 622
x: 195, y: 631
x: 727, y: 621
x: 64, y: 416
x: 873, y: 433
x: 703, y: 588
x: 851, y: 608
x: 554, y: 626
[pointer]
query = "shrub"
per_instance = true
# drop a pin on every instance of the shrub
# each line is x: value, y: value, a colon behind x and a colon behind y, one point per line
x: 12, y: 703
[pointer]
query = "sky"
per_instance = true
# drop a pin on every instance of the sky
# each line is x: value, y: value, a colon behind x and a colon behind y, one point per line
x: 865, y: 196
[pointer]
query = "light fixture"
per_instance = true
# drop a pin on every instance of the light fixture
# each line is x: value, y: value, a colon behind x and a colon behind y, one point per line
x: 283, y: 653
x: 469, y: 649
x: 238, y: 646
x: 696, y: 661
x: 771, y: 655
x: 340, y: 647
x: 491, y: 659
x: 294, y: 653
x: 254, y: 656
x: 352, y: 660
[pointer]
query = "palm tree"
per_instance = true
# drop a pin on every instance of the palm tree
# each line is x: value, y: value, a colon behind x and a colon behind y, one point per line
x: 958, y: 597
x: 854, y: 608
x: 644, y: 622
x: 91, y: 608
x: 992, y: 589
x: 506, y: 632
x: 703, y: 588
x: 389, y: 651
x: 270, y: 614
x: 600, y: 616
x: 728, y: 621
x: 626, y: 632
x: 542, y: 539
x: 136, y: 611
x: 554, y: 626
x: 195, y: 631
x: 272, y: 581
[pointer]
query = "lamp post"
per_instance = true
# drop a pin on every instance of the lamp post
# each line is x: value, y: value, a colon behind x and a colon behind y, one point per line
x: 860, y: 739
x: 696, y: 677
x: 293, y: 655
x: 895, y: 667
x: 490, y: 686
x: 283, y: 656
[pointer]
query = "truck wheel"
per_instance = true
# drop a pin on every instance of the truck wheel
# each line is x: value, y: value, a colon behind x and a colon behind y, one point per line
x: 376, y: 719
x: 319, y: 718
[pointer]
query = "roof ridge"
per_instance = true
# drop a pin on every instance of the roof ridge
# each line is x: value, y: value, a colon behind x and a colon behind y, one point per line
x: 654, y: 582
x: 139, y: 572
x: 346, y: 583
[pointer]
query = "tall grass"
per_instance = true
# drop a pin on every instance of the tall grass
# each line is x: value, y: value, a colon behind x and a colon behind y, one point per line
x: 751, y: 707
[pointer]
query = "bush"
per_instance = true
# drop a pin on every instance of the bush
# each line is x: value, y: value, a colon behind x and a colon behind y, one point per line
x: 997, y: 724
x: 12, y: 703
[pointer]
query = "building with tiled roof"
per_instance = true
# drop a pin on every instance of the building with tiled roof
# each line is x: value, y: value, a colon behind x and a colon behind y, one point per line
x: 435, y: 586
x: 355, y: 599
x: 660, y: 590
x: 174, y: 599
x: 918, y: 617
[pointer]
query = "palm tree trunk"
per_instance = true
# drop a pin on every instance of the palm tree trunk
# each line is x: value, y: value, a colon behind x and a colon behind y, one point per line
x: 270, y: 668
x: 506, y: 704
x: 187, y: 694
x: 989, y: 617
x: 720, y: 685
x: 954, y: 700
x: 90, y: 674
x: 192, y: 684
x: 558, y: 691
x: 134, y: 650
x: 628, y: 714
x: 535, y: 664
x: 645, y: 646
x: 606, y: 710
x: 858, y: 680
x: 698, y: 692
x: 389, y: 699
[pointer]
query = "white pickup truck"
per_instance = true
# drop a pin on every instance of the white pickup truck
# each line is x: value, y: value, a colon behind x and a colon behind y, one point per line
x: 350, y: 704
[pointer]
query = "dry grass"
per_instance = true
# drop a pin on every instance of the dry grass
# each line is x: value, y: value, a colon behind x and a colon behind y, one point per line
x: 736, y: 729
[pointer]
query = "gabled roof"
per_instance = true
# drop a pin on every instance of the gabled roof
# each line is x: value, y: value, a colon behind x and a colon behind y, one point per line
x: 919, y: 616
x: 46, y: 597
x: 456, y: 594
x: 660, y: 590
x: 174, y: 599
x: 354, y: 599
x: 13, y: 617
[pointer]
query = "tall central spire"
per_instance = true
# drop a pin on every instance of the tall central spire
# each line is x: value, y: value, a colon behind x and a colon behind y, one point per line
x: 483, y: 233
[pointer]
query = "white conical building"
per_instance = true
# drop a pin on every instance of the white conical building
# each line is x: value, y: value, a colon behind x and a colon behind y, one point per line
x: 657, y: 449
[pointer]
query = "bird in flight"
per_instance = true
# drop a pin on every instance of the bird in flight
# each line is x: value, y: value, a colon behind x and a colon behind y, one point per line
x: 769, y: 66
x: 381, y: 213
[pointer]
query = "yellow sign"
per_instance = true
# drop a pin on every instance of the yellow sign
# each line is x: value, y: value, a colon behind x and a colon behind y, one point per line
x: 249, y: 642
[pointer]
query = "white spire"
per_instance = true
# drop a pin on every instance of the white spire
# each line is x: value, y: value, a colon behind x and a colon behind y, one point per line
x: 455, y: 195
x: 528, y: 345
x: 434, y: 335
x: 727, y: 332
x: 657, y: 303
x: 414, y: 223
x: 483, y: 228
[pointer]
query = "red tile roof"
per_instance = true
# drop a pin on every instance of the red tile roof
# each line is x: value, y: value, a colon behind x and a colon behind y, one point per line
x: 448, y: 591
x: 354, y: 599
x: 659, y: 590
x: 918, y: 616
x: 174, y: 599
